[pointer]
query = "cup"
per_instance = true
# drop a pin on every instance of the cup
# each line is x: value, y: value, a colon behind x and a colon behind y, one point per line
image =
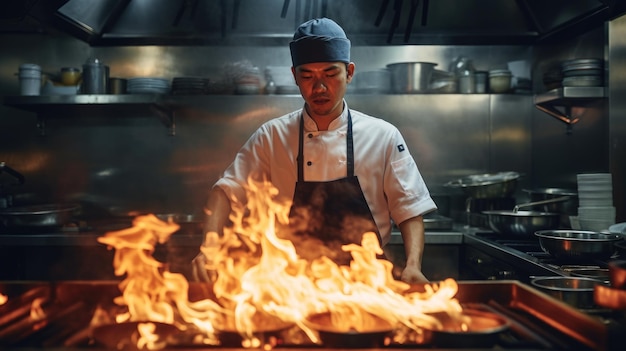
x: 70, y: 76
x: 30, y: 79
x: 481, y: 82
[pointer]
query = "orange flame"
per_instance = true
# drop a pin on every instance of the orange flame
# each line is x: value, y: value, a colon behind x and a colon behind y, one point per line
x: 3, y: 299
x: 260, y: 279
x: 147, y: 338
x: 36, y: 310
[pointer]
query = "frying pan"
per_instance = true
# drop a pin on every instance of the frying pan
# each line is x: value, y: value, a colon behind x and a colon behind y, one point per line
x: 45, y: 215
x: 483, y: 330
x: 375, y: 332
x: 524, y: 223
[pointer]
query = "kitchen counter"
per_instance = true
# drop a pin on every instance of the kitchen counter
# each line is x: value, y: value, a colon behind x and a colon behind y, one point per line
x: 452, y: 237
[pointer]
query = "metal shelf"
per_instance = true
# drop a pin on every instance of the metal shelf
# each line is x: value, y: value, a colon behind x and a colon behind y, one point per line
x: 566, y: 97
x: 68, y: 106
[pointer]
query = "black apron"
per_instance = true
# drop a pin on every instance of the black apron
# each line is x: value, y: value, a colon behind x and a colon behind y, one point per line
x: 326, y: 215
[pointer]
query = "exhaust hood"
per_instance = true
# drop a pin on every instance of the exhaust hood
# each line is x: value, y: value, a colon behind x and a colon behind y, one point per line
x: 367, y: 22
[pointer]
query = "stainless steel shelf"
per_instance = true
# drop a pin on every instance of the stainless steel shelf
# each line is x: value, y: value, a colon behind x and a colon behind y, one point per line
x: 565, y: 98
x: 570, y: 95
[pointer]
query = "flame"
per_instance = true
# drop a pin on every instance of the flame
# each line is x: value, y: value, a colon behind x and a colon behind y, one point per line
x: 36, y: 310
x: 261, y: 282
x: 147, y: 338
x: 3, y: 299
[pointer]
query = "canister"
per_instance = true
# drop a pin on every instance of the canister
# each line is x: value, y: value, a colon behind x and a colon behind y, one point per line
x: 95, y: 77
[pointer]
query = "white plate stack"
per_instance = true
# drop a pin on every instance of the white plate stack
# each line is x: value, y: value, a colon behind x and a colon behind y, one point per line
x: 595, y: 200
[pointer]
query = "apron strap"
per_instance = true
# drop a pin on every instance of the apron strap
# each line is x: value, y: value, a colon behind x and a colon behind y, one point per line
x: 349, y: 149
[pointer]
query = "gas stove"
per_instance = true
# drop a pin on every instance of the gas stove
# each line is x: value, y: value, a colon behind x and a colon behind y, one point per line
x: 495, y: 256
x: 535, y: 322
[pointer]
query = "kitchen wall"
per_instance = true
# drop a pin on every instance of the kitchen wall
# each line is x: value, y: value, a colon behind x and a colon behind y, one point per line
x: 116, y: 161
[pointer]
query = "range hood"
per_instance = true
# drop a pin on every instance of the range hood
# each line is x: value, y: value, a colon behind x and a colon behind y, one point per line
x: 367, y: 22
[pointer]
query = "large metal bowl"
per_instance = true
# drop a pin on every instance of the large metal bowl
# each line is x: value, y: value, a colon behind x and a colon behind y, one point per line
x: 488, y: 185
x: 521, y: 223
x: 578, y: 245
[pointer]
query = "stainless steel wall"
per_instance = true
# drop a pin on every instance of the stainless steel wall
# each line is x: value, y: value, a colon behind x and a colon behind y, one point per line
x: 617, y: 113
x: 127, y: 162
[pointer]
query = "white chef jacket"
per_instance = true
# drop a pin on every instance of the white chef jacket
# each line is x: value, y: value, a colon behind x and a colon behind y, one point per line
x: 388, y: 175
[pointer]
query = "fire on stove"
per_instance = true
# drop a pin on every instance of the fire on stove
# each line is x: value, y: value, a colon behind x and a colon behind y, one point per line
x: 265, y: 295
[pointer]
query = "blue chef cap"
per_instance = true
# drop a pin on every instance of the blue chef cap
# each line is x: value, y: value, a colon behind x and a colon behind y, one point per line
x: 319, y: 40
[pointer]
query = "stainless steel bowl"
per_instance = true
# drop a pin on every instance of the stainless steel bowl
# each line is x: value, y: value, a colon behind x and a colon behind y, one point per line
x: 575, y: 291
x: 521, y: 223
x: 487, y: 185
x: 579, y: 245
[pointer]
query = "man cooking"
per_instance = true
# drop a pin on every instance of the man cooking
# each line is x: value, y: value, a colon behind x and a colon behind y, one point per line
x: 348, y: 173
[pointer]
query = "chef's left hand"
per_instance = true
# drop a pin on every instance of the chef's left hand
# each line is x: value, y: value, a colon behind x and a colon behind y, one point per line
x: 413, y: 275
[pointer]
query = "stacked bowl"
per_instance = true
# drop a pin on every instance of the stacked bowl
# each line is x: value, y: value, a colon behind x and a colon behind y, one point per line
x: 583, y: 73
x: 595, y: 200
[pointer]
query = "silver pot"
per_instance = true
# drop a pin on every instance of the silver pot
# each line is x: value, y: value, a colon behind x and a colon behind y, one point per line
x: 578, y: 245
x: 411, y: 77
x: 488, y: 185
x: 521, y: 223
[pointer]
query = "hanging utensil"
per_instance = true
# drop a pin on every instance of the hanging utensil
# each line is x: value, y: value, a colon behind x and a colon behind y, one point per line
x: 409, y: 26
x: 236, y: 6
x: 397, y: 8
x: 424, y: 12
x: 381, y: 12
x: 283, y: 13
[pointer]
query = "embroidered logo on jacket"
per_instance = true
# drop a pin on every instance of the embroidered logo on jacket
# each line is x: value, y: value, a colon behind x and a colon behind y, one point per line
x: 401, y: 148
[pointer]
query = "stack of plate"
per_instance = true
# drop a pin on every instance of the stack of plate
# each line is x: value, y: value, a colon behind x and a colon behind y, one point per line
x: 148, y: 86
x: 595, y: 200
x: 189, y: 85
x: 583, y: 73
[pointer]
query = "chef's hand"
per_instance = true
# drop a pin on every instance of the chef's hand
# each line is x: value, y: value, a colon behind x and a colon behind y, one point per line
x: 198, y: 269
x: 413, y: 275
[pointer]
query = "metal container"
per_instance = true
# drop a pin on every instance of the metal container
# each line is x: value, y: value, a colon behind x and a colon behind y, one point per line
x: 411, y: 77
x: 574, y: 291
x: 521, y: 223
x: 95, y: 77
x: 579, y: 245
x: 488, y: 185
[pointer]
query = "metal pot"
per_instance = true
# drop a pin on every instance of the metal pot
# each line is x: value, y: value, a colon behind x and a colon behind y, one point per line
x: 568, y: 207
x: 521, y: 223
x: 578, y: 245
x: 488, y: 185
x: 46, y: 215
x: 411, y: 77
x: 574, y: 291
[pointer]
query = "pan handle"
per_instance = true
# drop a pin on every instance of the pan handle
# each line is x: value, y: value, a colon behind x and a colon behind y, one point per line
x: 17, y: 175
x: 542, y: 202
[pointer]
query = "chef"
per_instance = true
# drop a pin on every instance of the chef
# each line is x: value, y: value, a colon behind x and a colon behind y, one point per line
x: 346, y: 172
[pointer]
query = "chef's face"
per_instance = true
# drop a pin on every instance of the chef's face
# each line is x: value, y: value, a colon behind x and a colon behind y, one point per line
x: 323, y: 86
